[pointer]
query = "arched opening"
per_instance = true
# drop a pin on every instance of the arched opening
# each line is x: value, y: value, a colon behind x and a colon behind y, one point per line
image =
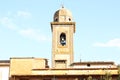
x: 63, y: 39
x: 69, y: 19
x: 56, y: 19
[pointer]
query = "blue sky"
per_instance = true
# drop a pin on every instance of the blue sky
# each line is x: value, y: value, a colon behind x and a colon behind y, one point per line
x: 25, y: 28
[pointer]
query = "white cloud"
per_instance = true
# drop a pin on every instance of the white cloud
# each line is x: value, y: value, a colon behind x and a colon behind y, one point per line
x: 24, y: 14
x: 110, y: 43
x: 7, y: 22
x: 34, y: 34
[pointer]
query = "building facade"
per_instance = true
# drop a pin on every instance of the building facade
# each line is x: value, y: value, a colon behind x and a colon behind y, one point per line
x: 4, y: 69
x: 63, y: 65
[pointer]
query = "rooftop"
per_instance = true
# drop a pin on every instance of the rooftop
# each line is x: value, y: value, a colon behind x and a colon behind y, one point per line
x: 4, y: 62
x: 93, y: 63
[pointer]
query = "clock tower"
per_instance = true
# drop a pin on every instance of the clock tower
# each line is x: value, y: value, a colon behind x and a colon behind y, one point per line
x: 63, y: 29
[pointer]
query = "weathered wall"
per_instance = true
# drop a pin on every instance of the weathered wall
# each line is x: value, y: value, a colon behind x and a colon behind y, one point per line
x: 4, y: 72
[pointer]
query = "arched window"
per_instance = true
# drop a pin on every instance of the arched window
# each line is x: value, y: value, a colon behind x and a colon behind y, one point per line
x: 56, y: 19
x: 63, y: 39
x: 69, y: 19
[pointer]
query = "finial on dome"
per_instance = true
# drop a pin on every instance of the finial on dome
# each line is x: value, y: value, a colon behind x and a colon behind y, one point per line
x: 63, y: 15
x: 62, y: 6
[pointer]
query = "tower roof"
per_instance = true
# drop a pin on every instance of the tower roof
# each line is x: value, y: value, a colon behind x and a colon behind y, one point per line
x: 63, y: 15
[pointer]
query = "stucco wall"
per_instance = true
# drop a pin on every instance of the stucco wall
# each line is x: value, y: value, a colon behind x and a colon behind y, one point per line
x: 4, y: 73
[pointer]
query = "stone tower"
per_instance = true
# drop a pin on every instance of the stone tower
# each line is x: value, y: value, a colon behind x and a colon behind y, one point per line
x: 63, y: 29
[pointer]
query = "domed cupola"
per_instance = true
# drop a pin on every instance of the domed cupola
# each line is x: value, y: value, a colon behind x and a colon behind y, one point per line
x: 63, y: 15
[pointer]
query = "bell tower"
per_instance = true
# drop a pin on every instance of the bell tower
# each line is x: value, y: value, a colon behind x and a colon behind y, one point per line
x: 63, y: 29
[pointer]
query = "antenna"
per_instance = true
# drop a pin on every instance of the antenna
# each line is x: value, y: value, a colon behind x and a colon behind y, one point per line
x: 80, y: 58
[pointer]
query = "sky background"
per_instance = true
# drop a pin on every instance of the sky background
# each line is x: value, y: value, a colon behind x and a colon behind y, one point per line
x: 25, y: 28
